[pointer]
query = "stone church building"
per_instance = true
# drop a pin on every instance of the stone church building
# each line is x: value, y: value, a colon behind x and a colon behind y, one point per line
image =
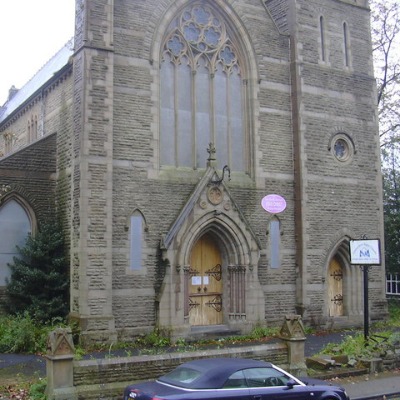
x: 210, y: 161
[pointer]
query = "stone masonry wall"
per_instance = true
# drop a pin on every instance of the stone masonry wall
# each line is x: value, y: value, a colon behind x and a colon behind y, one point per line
x: 334, y: 99
x: 342, y: 198
x: 160, y: 200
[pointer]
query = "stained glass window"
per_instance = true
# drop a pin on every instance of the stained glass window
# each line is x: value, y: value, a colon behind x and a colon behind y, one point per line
x: 201, y: 91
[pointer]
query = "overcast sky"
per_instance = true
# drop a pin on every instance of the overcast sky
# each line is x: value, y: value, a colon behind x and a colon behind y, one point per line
x: 31, y: 32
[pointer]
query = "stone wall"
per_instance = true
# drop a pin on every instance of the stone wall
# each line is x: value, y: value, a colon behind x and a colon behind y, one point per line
x: 30, y: 173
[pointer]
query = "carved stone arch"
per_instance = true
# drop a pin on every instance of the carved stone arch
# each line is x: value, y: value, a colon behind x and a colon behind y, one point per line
x: 24, y: 203
x: 237, y: 243
x: 231, y: 17
x: 351, y: 284
x: 136, y: 211
x: 338, y: 239
x: 214, y: 229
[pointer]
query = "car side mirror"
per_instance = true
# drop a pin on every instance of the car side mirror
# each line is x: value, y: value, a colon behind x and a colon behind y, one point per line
x: 290, y: 383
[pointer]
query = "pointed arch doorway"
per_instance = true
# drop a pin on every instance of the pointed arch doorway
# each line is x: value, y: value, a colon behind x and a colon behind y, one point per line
x: 205, y: 283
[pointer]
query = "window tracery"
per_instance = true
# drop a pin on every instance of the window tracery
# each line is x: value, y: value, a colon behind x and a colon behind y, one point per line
x: 201, y: 92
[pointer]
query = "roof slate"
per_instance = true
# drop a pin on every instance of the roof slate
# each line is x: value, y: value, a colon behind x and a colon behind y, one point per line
x: 55, y: 64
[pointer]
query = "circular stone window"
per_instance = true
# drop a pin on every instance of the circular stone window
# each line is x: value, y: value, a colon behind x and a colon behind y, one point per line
x: 342, y: 147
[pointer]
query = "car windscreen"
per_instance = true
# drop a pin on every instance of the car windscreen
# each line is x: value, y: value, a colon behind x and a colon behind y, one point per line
x: 182, y: 376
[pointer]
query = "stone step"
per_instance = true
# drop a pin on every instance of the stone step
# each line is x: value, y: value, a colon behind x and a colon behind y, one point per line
x: 211, y: 332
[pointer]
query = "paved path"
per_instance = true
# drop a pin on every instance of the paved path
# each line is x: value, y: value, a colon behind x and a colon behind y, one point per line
x: 385, y: 385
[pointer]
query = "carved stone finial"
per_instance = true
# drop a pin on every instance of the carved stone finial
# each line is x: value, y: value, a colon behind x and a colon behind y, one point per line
x: 293, y: 328
x: 60, y: 342
x: 219, y: 181
x: 211, y: 160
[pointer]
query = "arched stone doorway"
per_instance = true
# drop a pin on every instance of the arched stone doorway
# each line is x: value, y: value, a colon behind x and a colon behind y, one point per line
x: 343, y: 286
x: 212, y: 265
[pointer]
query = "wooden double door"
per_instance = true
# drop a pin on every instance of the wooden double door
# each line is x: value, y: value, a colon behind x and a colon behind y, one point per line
x: 205, y: 283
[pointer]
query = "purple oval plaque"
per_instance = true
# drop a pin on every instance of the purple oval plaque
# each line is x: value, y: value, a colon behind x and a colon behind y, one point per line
x: 273, y: 203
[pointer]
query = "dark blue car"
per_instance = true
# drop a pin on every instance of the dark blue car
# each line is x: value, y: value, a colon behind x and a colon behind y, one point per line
x: 232, y: 378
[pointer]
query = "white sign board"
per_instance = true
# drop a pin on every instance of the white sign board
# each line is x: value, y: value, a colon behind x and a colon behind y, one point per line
x: 365, y: 252
x: 196, y: 280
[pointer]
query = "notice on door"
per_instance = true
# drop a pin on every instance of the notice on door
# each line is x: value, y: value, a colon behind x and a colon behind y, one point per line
x: 196, y: 280
x: 199, y: 280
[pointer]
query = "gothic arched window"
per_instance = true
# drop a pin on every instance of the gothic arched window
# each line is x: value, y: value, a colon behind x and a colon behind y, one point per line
x: 275, y: 242
x: 346, y: 45
x: 202, y: 92
x: 323, y: 55
x: 15, y: 225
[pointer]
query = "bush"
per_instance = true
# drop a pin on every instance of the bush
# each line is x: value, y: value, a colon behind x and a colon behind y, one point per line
x: 22, y: 334
x: 39, y: 280
x: 394, y: 311
x: 38, y: 389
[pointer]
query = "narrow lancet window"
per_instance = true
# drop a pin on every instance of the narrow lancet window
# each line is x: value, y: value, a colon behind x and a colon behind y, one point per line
x: 136, y: 242
x: 275, y: 243
x: 346, y: 45
x: 322, y: 38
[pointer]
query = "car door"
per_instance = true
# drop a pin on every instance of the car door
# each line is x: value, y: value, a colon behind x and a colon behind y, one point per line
x: 271, y: 384
x: 229, y: 394
x: 235, y: 388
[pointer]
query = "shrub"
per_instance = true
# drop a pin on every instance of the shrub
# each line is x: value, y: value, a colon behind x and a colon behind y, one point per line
x: 394, y: 311
x: 22, y: 334
x: 37, y: 390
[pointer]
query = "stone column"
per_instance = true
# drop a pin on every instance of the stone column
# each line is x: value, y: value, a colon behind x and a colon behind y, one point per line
x: 293, y: 334
x: 59, y: 365
x: 92, y: 171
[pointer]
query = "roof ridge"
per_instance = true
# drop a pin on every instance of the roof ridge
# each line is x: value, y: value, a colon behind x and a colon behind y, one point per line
x: 43, y: 75
x: 69, y: 44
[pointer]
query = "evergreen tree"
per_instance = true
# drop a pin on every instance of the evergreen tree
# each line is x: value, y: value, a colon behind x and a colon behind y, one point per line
x: 391, y: 206
x: 39, y: 279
